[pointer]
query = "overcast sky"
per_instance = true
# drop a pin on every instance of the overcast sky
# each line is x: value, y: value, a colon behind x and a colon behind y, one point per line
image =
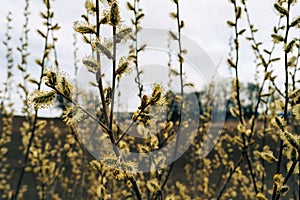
x: 205, y: 22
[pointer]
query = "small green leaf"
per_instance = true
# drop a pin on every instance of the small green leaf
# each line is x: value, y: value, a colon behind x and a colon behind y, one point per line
x: 230, y: 63
x: 47, y: 3
x: 230, y: 23
x: 289, y: 47
x: 34, y: 81
x: 43, y: 15
x: 181, y: 24
x: 263, y: 61
x: 242, y: 31
x: 281, y: 9
x: 274, y: 59
x: 21, y: 68
x: 277, y: 38
x: 26, y: 76
x: 142, y: 48
x: 173, y: 15
x: 238, y: 12
x: 292, y: 61
x: 39, y: 62
x: 55, y: 27
x: 130, y: 6
x: 174, y: 72
x: 265, y: 95
x: 267, y: 52
x: 295, y: 22
x: 140, y: 16
x: 180, y: 58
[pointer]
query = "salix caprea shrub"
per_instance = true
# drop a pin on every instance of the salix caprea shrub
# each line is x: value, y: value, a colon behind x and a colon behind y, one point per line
x: 256, y: 156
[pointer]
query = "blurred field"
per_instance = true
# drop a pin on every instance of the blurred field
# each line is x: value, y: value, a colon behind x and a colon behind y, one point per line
x: 15, y: 157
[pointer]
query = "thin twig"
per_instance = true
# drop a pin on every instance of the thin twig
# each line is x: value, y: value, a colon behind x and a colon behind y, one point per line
x: 114, y: 76
x: 286, y: 95
x: 229, y: 177
x: 136, y: 26
x: 182, y: 98
x: 287, y: 177
x: 19, y: 183
x: 98, y: 74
